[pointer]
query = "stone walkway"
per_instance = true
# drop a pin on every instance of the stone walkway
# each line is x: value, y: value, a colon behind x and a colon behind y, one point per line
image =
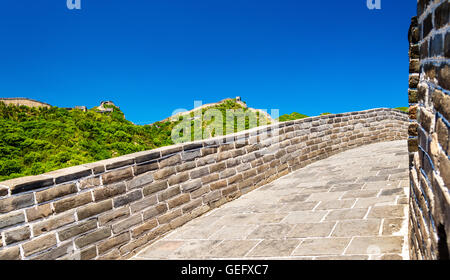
x: 350, y: 206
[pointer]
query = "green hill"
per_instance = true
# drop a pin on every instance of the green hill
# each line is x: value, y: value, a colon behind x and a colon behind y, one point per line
x: 291, y: 117
x: 38, y: 140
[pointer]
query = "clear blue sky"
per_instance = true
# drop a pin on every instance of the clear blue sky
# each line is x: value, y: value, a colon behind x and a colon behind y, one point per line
x: 153, y: 56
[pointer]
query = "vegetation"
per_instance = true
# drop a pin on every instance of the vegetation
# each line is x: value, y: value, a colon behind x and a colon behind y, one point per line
x: 404, y: 109
x: 38, y: 140
x: 291, y: 117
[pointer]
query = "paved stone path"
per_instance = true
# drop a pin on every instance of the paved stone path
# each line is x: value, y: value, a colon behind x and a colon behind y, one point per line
x: 350, y: 206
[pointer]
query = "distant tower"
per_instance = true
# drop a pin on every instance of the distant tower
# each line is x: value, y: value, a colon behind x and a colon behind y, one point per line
x: 238, y: 98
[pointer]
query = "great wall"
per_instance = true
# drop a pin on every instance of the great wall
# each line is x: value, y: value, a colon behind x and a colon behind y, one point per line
x: 361, y: 185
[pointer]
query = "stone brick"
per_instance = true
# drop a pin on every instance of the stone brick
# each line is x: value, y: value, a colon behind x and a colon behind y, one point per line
x: 93, y: 237
x: 169, y: 193
x: 200, y: 192
x: 77, y: 229
x: 217, y: 167
x: 89, y: 183
x: 178, y: 178
x: 53, y: 223
x: 12, y: 253
x: 113, y: 216
x: 210, y: 178
x: 16, y: 202
x: 109, y: 191
x: 88, y: 253
x: 112, y: 255
x: 55, y: 192
x: 179, y: 200
x: 212, y: 196
x: 413, y: 81
x: 185, y: 166
x: 192, y: 185
x: 441, y: 103
x: 140, y: 181
x: 412, y: 129
x: 55, y: 253
x: 154, y: 187
x: 127, y: 198
x: 155, y: 211
x: 39, y: 244
x: 24, y: 184
x: 444, y: 168
x: 218, y: 185
x: 166, y: 218
x: 443, y: 134
x: 72, y: 202
x: 179, y: 221
x: 126, y: 224
x: 113, y: 242
x: 437, y: 46
x: 441, y: 15
x: 143, y: 204
x: 164, y: 173
x: 192, y: 205
x: 3, y: 191
x: 11, y: 219
x: 197, y: 173
x: 147, y: 167
x: 17, y: 235
x: 94, y: 209
x: 227, y: 173
x: 190, y: 156
x: 145, y: 227
x: 170, y: 161
x: 116, y: 176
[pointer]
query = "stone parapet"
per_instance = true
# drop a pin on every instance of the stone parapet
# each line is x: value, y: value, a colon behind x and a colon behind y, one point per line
x: 112, y: 208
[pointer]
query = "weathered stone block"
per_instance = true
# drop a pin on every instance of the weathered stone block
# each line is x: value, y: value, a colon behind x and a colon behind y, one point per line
x: 39, y: 244
x: 166, y: 218
x: 144, y: 203
x: 53, y: 223
x: 94, y: 209
x: 140, y: 181
x: 127, y: 198
x: 109, y: 191
x: 192, y: 185
x: 126, y: 224
x: 93, y: 237
x: 113, y: 216
x: 12, y: 253
x: 72, y: 202
x: 154, y: 187
x: 178, y: 178
x: 11, y: 219
x: 89, y: 183
x: 179, y: 200
x: 164, y: 173
x: 170, y: 161
x: 155, y: 211
x: 77, y: 229
x: 113, y: 242
x: 17, y: 235
x: 200, y: 172
x: 16, y: 202
x: 145, y: 227
x: 117, y: 176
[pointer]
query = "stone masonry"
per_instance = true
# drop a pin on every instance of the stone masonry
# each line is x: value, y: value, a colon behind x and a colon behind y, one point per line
x: 113, y: 208
x: 429, y: 146
x: 333, y: 209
